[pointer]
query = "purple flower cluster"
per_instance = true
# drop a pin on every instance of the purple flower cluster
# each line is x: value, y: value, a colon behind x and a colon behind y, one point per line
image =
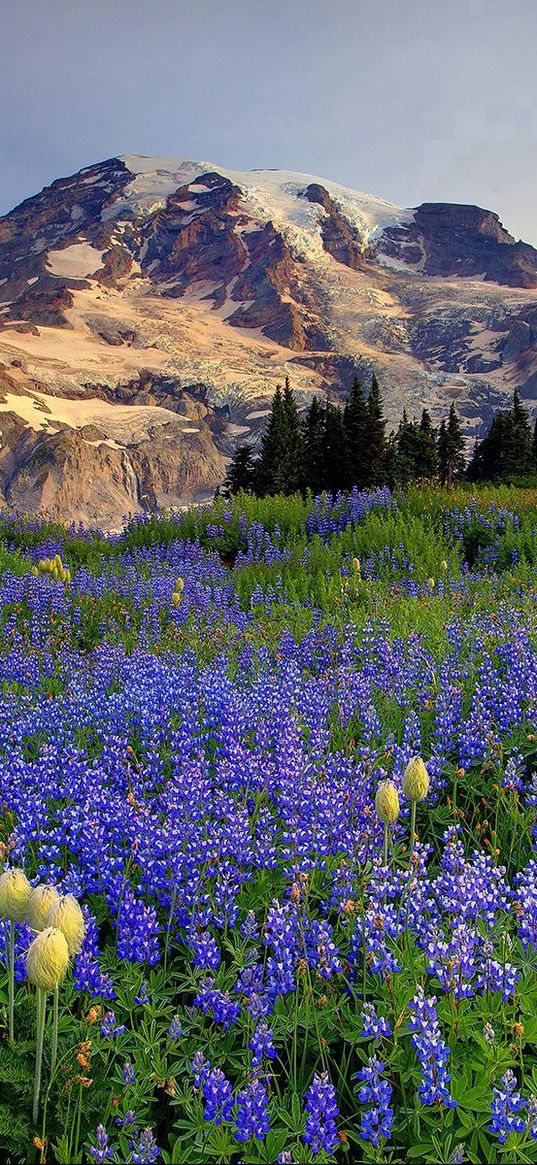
x: 376, y: 1093
x: 431, y: 1050
x: 321, y: 1115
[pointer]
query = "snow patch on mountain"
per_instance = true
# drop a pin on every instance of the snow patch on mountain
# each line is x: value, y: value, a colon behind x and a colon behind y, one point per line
x: 75, y: 262
x: 270, y: 195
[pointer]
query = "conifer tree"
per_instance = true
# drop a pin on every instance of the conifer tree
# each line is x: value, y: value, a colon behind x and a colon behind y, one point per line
x: 492, y: 455
x: 334, y: 475
x: 521, y: 458
x: 356, y: 424
x: 426, y: 456
x: 279, y: 469
x: 450, y: 447
x: 293, y: 441
x: 442, y: 450
x: 376, y: 436
x: 241, y: 471
x: 270, y: 472
x: 313, y: 437
x: 506, y: 451
x: 406, y: 449
x: 534, y: 444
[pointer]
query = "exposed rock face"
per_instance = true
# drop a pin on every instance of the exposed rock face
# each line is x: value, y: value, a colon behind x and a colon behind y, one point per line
x: 54, y: 219
x: 149, y: 307
x: 194, y: 237
x: 339, y: 239
x: 446, y: 239
x: 267, y: 290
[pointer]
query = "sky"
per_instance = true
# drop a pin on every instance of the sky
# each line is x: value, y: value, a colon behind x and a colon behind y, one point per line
x: 411, y: 100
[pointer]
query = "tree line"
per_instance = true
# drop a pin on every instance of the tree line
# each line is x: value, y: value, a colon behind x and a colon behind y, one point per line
x: 335, y: 448
x: 509, y: 449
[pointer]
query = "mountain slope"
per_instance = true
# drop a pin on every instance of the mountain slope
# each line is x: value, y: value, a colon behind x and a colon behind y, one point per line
x: 149, y: 307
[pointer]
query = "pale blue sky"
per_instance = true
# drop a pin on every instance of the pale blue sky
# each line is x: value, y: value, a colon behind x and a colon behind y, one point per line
x: 412, y: 100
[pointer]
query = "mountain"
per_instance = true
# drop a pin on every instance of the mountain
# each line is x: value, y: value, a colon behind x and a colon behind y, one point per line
x: 149, y: 307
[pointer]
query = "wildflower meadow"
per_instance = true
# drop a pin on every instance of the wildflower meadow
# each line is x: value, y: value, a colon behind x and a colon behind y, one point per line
x: 268, y: 793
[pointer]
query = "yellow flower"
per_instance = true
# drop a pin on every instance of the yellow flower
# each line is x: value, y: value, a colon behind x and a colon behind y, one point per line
x: 387, y: 802
x: 67, y: 916
x: 15, y: 892
x: 443, y: 566
x: 40, y: 902
x: 47, y: 959
x: 416, y: 780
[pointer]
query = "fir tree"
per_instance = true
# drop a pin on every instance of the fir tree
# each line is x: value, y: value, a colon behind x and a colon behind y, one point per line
x: 355, y: 424
x: 406, y: 442
x: 279, y: 469
x: 334, y: 474
x: 521, y: 453
x: 506, y: 451
x: 442, y: 451
x: 426, y: 456
x: 376, y: 436
x: 241, y: 472
x: 313, y: 437
x: 292, y: 469
x: 492, y: 455
x: 270, y: 473
x: 450, y: 447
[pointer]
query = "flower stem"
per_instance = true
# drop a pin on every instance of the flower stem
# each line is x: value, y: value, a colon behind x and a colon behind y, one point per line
x: 41, y: 1011
x: 412, y: 830
x: 55, y: 1017
x: 169, y: 926
x: 385, y: 858
x: 11, y: 982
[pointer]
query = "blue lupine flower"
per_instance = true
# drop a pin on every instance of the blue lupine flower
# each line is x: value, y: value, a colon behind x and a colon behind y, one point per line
x: 432, y: 1051
x: 376, y: 1093
x: 218, y: 1097
x: 261, y: 1044
x: 211, y: 999
x: 205, y: 951
x: 251, y: 1119
x: 109, y: 1027
x: 200, y: 1068
x: 143, y: 995
x: 127, y: 1072
x: 128, y: 1119
x: 322, y: 1112
x: 145, y: 1150
x: 506, y: 1105
x: 102, y: 1151
x: 175, y: 1029
x: 374, y: 1026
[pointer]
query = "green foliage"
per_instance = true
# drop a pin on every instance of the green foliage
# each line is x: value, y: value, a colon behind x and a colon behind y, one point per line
x: 506, y: 453
x: 314, y: 583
